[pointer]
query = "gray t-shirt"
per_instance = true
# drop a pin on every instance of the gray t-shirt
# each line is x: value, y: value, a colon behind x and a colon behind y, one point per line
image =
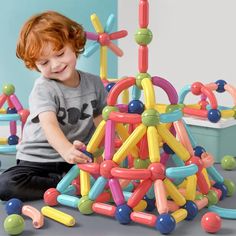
x: 75, y: 109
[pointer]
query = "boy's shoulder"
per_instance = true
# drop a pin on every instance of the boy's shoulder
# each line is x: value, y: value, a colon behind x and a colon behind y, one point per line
x: 87, y: 75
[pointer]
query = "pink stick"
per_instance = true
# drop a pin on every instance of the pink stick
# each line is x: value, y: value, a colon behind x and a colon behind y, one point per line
x: 118, y: 34
x: 16, y: 102
x: 13, y: 127
x: 91, y: 36
x: 116, y: 191
x: 109, y: 140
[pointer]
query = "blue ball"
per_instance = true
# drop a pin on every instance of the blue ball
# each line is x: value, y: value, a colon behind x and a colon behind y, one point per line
x: 123, y: 214
x: 192, y: 210
x: 13, y: 140
x: 167, y: 149
x: 11, y: 110
x: 14, y: 206
x: 221, y: 84
x: 150, y: 204
x: 198, y: 150
x: 165, y: 223
x: 87, y: 153
x: 223, y: 189
x: 135, y: 107
x: 214, y: 115
x: 109, y: 86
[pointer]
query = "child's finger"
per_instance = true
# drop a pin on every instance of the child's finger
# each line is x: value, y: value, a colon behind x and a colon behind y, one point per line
x: 82, y: 155
x: 79, y: 145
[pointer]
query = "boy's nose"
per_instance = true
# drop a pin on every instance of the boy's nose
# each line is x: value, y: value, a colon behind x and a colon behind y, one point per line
x: 55, y: 64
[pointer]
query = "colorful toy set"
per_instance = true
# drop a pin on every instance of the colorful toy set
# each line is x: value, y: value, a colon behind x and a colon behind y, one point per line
x: 13, y: 113
x: 208, y: 106
x: 133, y: 177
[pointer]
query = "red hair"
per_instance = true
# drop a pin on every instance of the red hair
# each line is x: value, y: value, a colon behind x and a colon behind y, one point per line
x: 48, y: 27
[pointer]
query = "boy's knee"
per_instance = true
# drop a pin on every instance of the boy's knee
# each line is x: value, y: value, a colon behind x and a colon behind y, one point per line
x: 5, y: 188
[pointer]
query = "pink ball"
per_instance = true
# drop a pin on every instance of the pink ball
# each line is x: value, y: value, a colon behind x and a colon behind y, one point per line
x: 211, y: 222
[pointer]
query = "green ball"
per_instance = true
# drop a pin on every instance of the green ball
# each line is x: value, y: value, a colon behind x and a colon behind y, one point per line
x: 141, y: 164
x: 228, y: 162
x: 212, y: 198
x: 85, y: 205
x: 199, y: 196
x: 14, y: 224
x: 230, y: 187
x: 107, y: 110
x: 171, y: 108
x: 151, y: 117
x: 140, y: 77
x: 8, y: 89
x: 143, y: 36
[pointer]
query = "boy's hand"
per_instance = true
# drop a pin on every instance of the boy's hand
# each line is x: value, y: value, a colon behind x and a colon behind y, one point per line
x: 74, y: 155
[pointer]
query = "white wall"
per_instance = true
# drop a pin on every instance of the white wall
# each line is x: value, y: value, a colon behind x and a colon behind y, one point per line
x: 193, y: 40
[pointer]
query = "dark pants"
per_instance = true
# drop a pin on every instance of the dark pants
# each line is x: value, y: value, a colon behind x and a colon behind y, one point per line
x: 29, y: 180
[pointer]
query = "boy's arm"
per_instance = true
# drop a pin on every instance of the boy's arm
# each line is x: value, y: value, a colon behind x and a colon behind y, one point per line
x: 56, y: 138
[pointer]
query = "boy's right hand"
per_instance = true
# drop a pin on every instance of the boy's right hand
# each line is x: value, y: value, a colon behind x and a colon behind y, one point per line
x: 74, y: 155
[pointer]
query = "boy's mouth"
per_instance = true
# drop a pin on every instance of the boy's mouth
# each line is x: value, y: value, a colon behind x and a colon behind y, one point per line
x: 60, y: 71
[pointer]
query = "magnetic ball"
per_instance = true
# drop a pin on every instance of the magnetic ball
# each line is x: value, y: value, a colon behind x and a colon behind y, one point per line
x: 212, y: 197
x: 214, y: 115
x: 150, y: 204
x: 150, y: 117
x: 13, y: 140
x: 167, y: 149
x: 230, y: 187
x: 11, y: 110
x: 228, y: 162
x: 14, y: 224
x: 14, y: 206
x: 165, y: 223
x: 222, y: 188
x: 192, y: 210
x: 109, y: 86
x: 143, y: 36
x: 221, y: 86
x: 196, y: 88
x: 198, y: 150
x: 123, y: 214
x: 8, y: 89
x: 107, y: 110
x: 50, y: 197
x: 211, y: 222
x: 135, y: 107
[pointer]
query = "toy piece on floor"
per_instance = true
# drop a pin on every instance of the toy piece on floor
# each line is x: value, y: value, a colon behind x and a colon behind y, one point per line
x: 14, y: 224
x: 13, y: 113
x: 211, y: 222
x: 228, y: 162
x: 15, y: 206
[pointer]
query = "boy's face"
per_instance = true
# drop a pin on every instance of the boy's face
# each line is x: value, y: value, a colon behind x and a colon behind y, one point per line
x: 58, y: 65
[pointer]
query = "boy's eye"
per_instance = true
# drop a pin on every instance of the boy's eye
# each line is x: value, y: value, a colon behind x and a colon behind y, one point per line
x: 44, y: 63
x: 60, y: 54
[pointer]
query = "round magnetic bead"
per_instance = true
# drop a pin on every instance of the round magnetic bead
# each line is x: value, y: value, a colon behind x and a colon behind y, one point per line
x: 198, y: 150
x: 228, y: 162
x: 14, y: 224
x: 123, y: 214
x: 150, y: 204
x: 143, y: 36
x: 109, y: 86
x: 211, y: 222
x: 214, y: 115
x: 167, y: 149
x: 165, y: 223
x: 212, y: 197
x: 139, y: 77
x: 196, y: 88
x: 11, y: 110
x: 106, y: 167
x: 192, y: 210
x: 135, y: 107
x: 230, y: 187
x: 157, y: 171
x: 107, y: 110
x: 85, y: 205
x: 141, y: 164
x: 14, y: 206
x: 221, y: 85
x: 50, y: 197
x: 8, y: 89
x: 150, y: 117
x: 13, y: 140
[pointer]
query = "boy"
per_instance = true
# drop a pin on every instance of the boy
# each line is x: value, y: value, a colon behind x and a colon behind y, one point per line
x: 65, y: 104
